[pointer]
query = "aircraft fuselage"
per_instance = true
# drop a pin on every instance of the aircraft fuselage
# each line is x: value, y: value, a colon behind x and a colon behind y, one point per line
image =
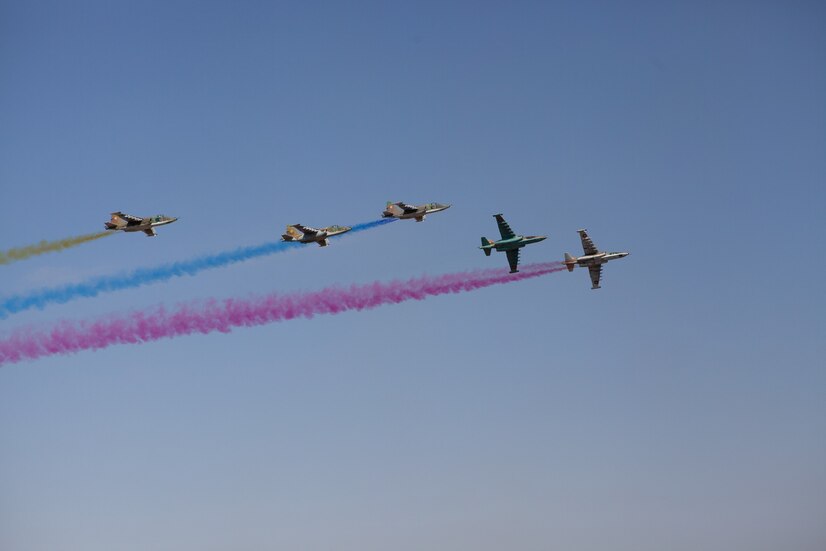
x: 121, y: 222
x: 516, y: 242
x: 395, y: 211
x: 597, y: 259
x: 144, y: 227
x: 311, y: 235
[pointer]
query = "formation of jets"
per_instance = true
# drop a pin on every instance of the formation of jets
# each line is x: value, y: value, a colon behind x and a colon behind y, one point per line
x: 593, y: 259
x: 510, y: 243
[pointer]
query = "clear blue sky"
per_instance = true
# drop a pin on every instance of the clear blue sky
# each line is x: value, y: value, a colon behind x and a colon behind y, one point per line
x: 681, y: 407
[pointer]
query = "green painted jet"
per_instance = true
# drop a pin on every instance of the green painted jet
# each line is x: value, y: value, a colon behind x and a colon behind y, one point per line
x: 510, y: 242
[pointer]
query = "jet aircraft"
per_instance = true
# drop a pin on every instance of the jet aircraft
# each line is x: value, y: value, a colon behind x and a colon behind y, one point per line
x: 404, y: 211
x: 306, y: 234
x: 593, y: 259
x: 129, y: 223
x: 510, y: 242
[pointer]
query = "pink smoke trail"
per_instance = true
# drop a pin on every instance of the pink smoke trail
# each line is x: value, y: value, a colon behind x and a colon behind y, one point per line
x: 68, y: 337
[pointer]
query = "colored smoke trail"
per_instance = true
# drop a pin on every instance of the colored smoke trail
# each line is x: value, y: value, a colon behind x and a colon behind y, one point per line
x: 143, y: 276
x: 139, y: 327
x: 22, y: 253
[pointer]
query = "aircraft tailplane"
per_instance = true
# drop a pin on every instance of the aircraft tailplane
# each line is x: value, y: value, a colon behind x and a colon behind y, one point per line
x: 486, y: 246
x: 570, y: 262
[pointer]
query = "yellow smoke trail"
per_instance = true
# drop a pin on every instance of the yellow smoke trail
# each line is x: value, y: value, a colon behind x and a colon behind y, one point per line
x: 22, y: 253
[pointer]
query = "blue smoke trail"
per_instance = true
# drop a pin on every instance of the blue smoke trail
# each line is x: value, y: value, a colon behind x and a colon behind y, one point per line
x: 367, y: 226
x: 143, y: 276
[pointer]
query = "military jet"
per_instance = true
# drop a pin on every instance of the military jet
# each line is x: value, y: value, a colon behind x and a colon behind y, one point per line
x: 129, y: 223
x: 593, y: 259
x: 404, y: 211
x: 306, y: 234
x: 510, y: 242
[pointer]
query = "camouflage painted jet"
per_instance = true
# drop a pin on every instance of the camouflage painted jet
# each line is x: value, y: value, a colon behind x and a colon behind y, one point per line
x: 129, y: 223
x: 593, y: 259
x: 306, y: 234
x: 404, y: 211
x: 510, y: 242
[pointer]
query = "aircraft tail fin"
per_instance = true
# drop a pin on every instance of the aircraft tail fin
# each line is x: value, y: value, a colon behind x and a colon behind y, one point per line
x: 391, y: 210
x: 570, y: 262
x: 291, y: 234
x: 486, y: 246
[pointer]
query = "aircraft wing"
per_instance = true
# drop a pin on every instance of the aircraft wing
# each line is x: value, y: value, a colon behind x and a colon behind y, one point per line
x: 128, y: 218
x: 306, y: 230
x: 150, y: 232
x: 595, y: 272
x: 587, y: 245
x: 513, y: 259
x: 408, y: 209
x: 504, y: 229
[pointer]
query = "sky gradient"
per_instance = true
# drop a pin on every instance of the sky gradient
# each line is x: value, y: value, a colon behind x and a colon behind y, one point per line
x: 682, y: 406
